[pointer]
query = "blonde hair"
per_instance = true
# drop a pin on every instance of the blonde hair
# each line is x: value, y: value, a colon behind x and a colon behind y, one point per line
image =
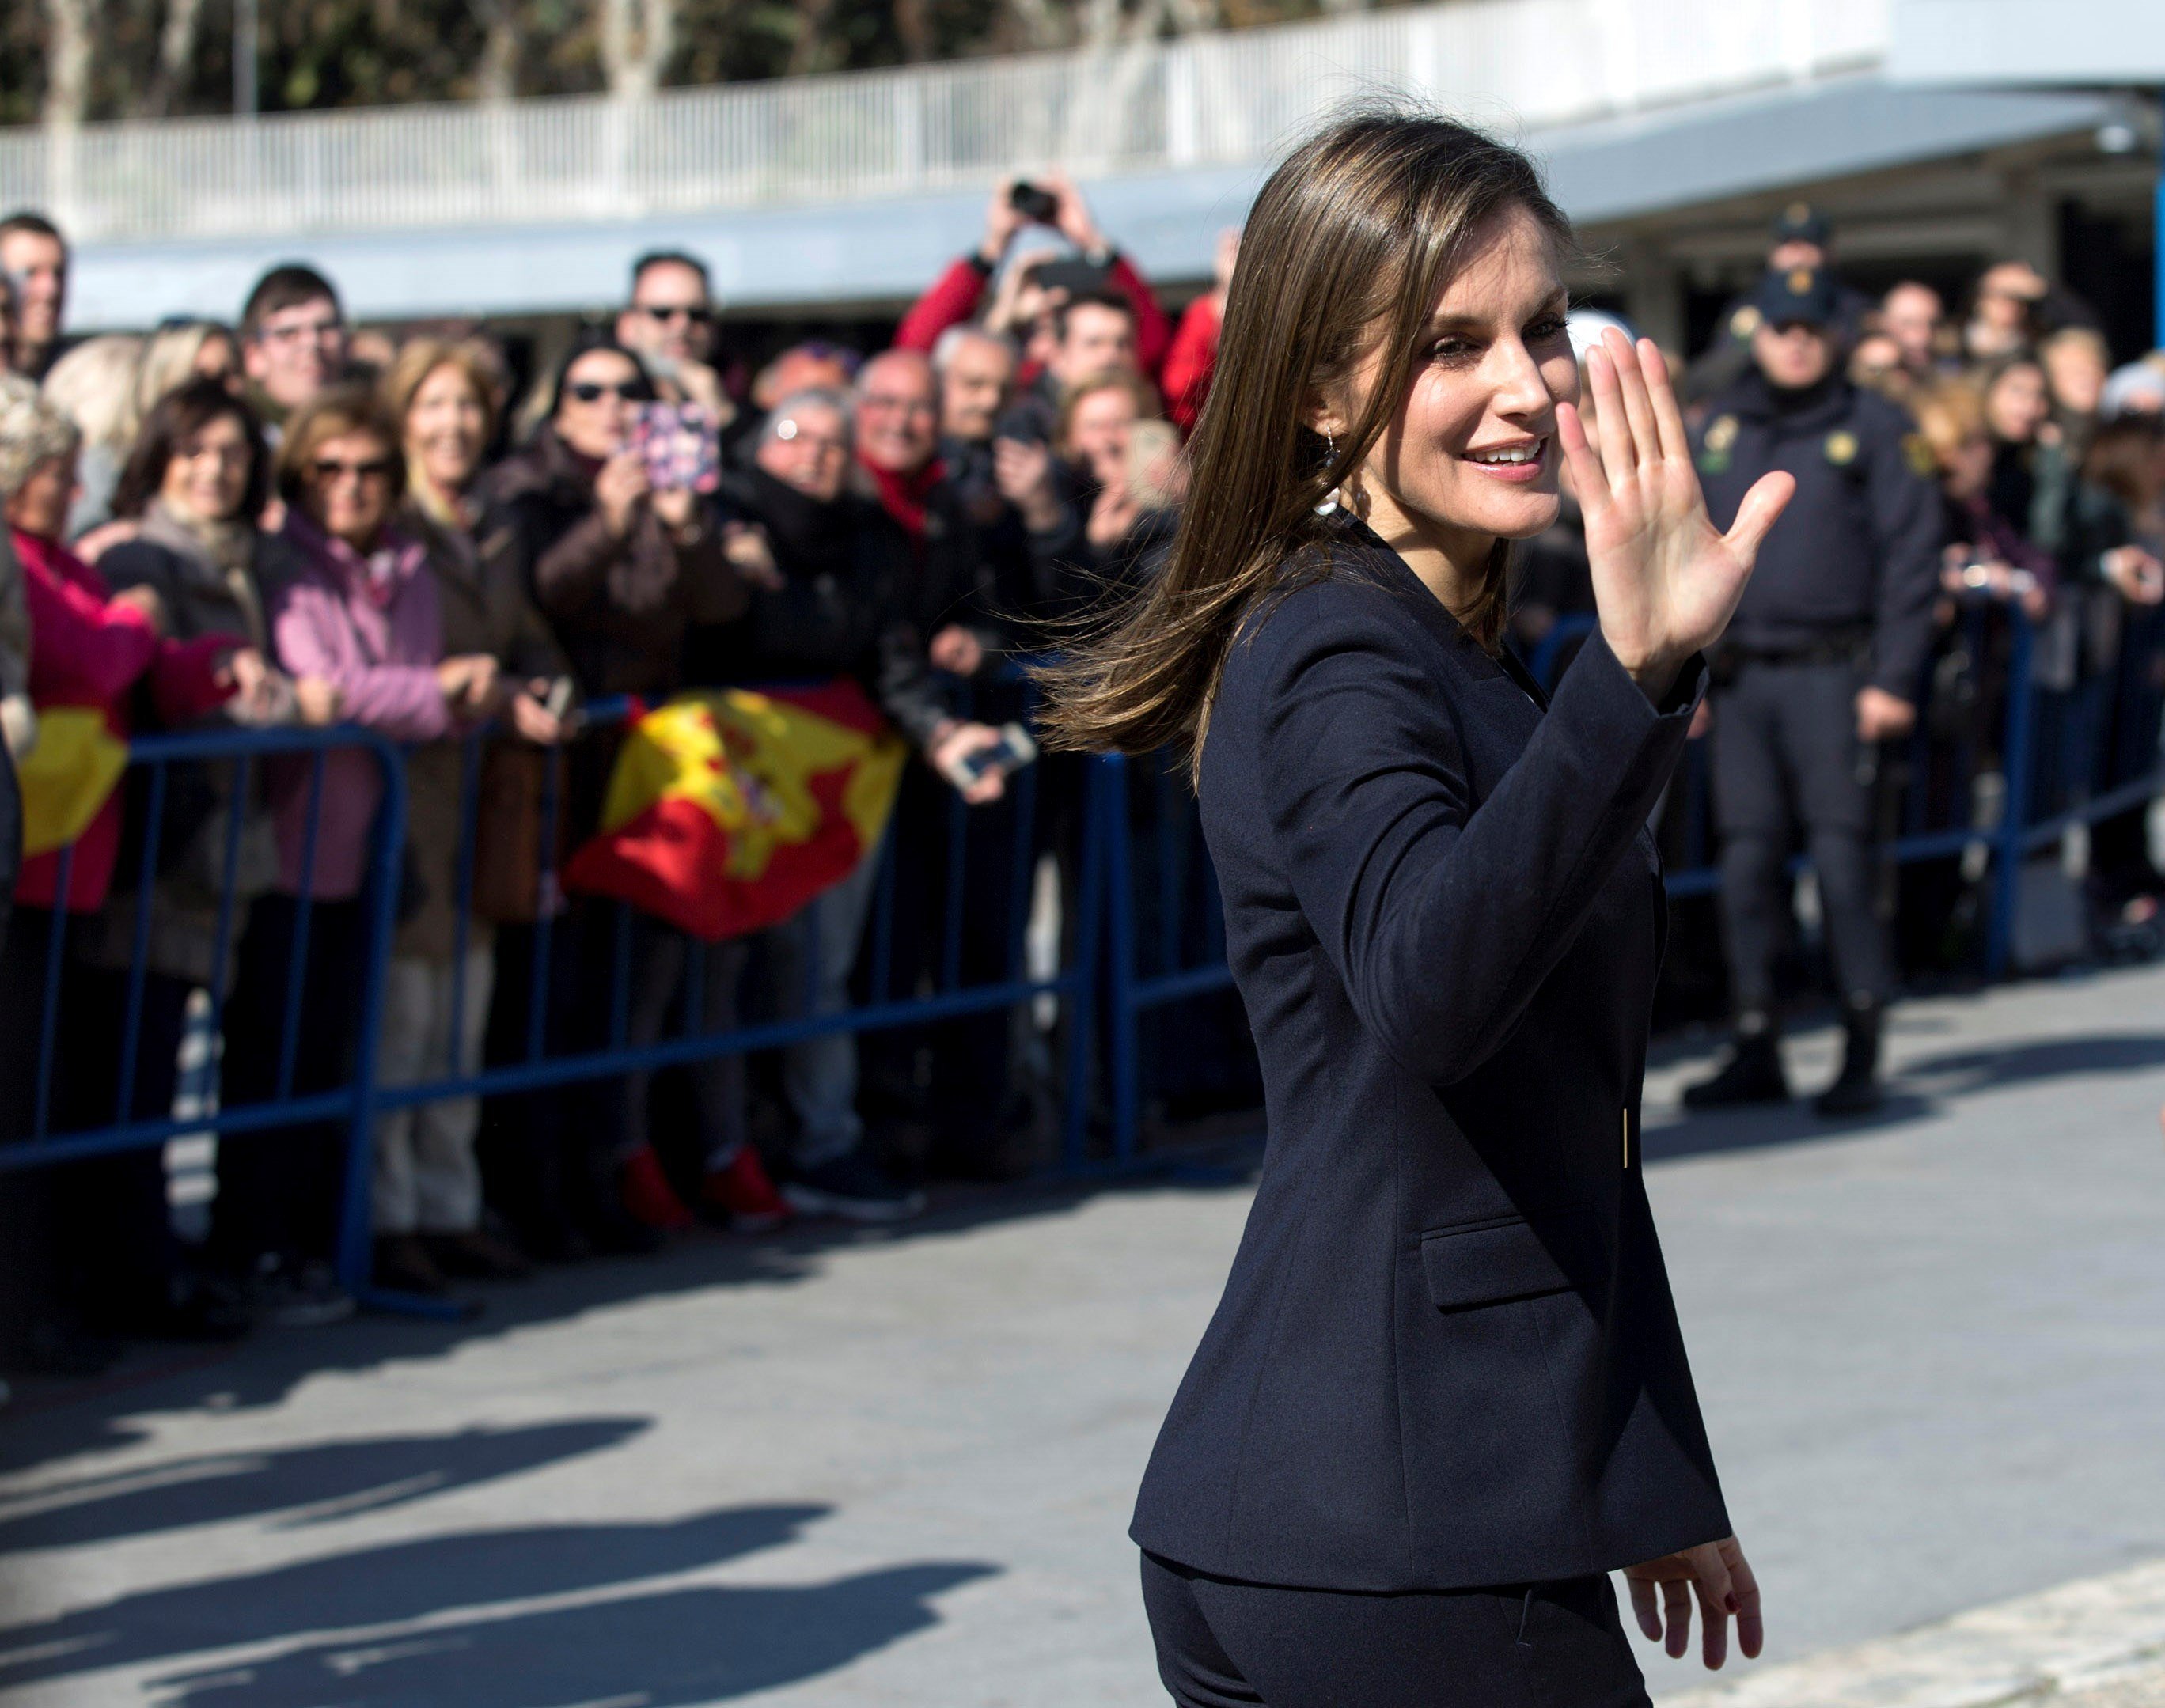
x: 474, y: 363
x: 169, y: 360
x: 1949, y: 415
x: 94, y: 385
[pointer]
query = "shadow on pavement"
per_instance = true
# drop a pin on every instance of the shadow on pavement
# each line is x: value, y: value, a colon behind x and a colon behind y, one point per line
x: 395, y: 1585
x: 675, y: 1647
x: 54, y: 1420
x: 309, y: 1484
x: 1919, y: 1090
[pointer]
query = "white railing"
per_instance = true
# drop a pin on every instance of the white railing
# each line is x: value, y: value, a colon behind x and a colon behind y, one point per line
x: 1215, y: 100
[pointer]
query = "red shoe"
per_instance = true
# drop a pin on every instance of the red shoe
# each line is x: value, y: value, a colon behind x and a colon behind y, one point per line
x: 648, y: 1196
x: 742, y: 1190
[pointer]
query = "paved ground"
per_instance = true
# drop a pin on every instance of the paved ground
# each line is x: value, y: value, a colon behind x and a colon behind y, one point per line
x: 895, y: 1470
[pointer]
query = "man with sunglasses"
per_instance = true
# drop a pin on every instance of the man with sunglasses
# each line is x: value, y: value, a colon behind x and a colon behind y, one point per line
x: 292, y: 341
x: 669, y: 325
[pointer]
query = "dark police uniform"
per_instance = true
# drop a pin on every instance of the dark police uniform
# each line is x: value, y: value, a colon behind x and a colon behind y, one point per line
x: 1841, y: 597
x: 1447, y: 1360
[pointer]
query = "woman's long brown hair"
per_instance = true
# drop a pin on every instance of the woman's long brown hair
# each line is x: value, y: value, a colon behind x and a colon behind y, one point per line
x: 1347, y: 251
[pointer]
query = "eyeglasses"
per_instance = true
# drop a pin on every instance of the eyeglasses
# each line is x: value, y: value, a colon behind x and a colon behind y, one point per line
x: 888, y: 400
x: 314, y: 331
x: 664, y: 312
x: 330, y: 469
x: 593, y: 391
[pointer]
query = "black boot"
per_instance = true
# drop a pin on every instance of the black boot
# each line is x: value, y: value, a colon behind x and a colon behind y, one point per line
x: 1752, y: 1074
x: 1856, y: 1089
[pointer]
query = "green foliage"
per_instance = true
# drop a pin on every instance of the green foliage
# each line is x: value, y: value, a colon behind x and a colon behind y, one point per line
x: 316, y: 54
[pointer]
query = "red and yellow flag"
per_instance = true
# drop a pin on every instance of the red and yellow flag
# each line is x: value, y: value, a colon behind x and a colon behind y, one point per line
x: 728, y: 812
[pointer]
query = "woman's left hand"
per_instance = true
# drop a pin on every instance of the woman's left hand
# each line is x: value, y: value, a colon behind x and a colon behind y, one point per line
x: 1720, y: 1575
x: 1665, y: 581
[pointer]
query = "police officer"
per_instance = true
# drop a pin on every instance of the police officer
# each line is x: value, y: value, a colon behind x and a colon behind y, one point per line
x: 1819, y: 665
x: 1801, y: 238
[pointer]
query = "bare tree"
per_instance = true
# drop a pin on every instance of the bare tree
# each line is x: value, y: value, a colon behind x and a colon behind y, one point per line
x: 504, y: 44
x: 69, y: 27
x: 637, y: 39
x: 807, y: 50
x: 912, y: 29
x: 176, y: 61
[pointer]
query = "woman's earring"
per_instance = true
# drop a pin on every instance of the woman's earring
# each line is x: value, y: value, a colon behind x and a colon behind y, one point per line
x: 1329, y: 461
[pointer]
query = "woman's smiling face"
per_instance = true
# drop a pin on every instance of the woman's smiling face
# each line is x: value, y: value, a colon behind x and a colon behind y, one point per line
x: 1471, y: 454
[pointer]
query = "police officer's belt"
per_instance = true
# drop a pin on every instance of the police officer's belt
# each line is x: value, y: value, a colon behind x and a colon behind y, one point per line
x: 1836, y: 646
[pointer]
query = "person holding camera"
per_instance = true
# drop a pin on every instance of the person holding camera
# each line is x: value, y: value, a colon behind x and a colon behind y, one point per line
x: 1021, y: 214
x: 1820, y: 665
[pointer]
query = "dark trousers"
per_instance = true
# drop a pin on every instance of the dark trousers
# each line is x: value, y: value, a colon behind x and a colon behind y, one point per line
x: 1786, y: 751
x: 278, y: 1187
x: 86, y: 1243
x: 1220, y: 1642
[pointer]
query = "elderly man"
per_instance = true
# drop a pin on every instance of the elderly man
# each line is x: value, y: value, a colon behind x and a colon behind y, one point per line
x: 34, y: 257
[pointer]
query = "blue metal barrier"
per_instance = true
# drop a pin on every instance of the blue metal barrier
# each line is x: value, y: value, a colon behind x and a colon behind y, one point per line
x: 2008, y: 841
x: 1143, y: 928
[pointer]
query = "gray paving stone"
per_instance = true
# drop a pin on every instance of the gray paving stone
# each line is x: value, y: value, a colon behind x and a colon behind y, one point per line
x: 896, y: 1470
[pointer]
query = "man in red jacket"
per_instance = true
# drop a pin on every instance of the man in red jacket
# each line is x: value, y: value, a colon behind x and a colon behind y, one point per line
x: 957, y: 294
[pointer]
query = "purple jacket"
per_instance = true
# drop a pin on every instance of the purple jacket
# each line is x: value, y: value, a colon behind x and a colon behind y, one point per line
x: 370, y: 625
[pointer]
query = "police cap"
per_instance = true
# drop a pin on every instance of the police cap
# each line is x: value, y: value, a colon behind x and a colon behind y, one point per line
x: 1801, y: 222
x: 1788, y: 296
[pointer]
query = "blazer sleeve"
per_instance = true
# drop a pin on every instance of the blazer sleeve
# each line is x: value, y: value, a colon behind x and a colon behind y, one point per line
x: 1442, y: 913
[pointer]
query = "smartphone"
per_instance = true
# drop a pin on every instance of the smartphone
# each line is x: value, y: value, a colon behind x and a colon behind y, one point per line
x: 559, y: 696
x: 1015, y: 750
x: 682, y: 445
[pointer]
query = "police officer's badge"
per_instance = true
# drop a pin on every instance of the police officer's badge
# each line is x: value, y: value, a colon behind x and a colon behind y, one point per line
x: 1714, y: 449
x: 1744, y: 323
x: 1841, y: 447
x: 1918, y: 450
x: 1800, y: 281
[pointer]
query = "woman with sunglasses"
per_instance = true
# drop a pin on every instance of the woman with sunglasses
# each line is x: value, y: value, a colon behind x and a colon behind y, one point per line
x: 352, y: 602
x: 624, y: 571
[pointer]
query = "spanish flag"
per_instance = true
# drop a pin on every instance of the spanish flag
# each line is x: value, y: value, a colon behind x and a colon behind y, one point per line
x: 728, y: 812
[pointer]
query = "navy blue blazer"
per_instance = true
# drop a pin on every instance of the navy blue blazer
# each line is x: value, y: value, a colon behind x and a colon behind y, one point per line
x: 1446, y: 1355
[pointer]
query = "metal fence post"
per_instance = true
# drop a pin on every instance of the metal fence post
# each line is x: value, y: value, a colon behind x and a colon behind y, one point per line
x: 1119, y: 917
x: 1089, y: 946
x: 2015, y: 798
x: 356, y: 1209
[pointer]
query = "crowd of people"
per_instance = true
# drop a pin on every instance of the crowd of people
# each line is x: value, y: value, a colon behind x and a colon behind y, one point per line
x: 292, y: 522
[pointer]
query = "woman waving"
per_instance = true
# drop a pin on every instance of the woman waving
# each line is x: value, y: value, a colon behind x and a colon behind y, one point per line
x: 1445, y: 1393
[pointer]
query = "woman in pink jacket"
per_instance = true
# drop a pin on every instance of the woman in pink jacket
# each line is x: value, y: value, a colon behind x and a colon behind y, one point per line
x: 351, y: 604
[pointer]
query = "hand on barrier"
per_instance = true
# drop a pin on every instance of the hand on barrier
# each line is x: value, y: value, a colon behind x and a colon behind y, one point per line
x: 319, y: 700
x: 1720, y: 1575
x: 1665, y: 581
x: 532, y: 715
x: 469, y: 684
x: 1882, y: 716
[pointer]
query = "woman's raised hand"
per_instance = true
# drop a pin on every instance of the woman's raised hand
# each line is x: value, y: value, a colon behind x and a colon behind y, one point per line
x: 1665, y: 582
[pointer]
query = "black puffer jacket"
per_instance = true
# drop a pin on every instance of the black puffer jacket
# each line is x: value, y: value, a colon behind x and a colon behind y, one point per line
x: 841, y: 610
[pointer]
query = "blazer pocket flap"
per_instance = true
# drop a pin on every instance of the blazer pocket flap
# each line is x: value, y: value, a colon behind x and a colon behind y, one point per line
x: 1516, y: 1259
